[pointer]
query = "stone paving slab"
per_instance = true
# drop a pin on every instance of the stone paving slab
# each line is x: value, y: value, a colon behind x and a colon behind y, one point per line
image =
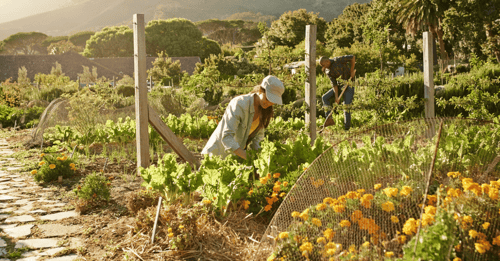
x: 22, y: 202
x: 20, y: 231
x: 31, y: 258
x: 3, y: 243
x: 14, y: 168
x: 3, y: 252
x: 7, y: 198
x: 4, y: 179
x: 64, y: 258
x: 23, y: 218
x: 7, y: 226
x: 38, y: 211
x: 52, y: 251
x: 7, y: 210
x: 37, y: 243
x: 52, y: 230
x: 4, y: 216
x: 59, y: 216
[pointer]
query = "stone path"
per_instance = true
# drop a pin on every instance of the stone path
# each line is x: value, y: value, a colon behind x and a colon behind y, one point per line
x: 25, y: 209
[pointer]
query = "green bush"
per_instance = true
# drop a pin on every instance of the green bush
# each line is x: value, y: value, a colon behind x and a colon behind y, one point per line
x: 125, y: 90
x: 52, y: 166
x: 22, y: 117
x: 95, y: 188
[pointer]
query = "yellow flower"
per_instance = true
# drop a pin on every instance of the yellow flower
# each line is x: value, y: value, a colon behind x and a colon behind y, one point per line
x: 250, y: 192
x: 316, y: 222
x: 306, y: 247
x: 207, y: 202
x: 454, y: 174
x: 282, y: 194
x: 295, y: 214
x: 41, y: 155
x: 391, y: 192
x: 271, y: 258
x: 457, y: 259
x: 268, y: 207
x: 472, y: 233
x: 181, y: 227
x: 339, y: 208
x: 246, y: 204
x: 276, y: 188
x: 41, y: 163
x: 345, y: 223
x: 356, y: 215
x: 283, y: 235
x: 366, y: 244
x: 496, y: 241
x: 388, y: 206
x: 59, y: 158
x: 321, y: 206
x: 427, y: 219
x: 321, y: 240
x: 171, y: 235
x: 406, y: 190
x: 402, y: 239
x: 331, y: 251
x: 377, y: 186
x: 389, y: 254
x: 431, y: 210
x: 493, y: 193
x: 169, y: 230
x: 329, y: 234
x: 328, y: 200
x: 410, y: 226
x: 263, y: 181
x: 276, y: 175
x: 72, y: 165
x: 480, y: 248
x: 268, y: 176
x: 351, y: 195
x: 352, y: 248
x: 304, y: 215
x: 285, y: 183
x: 33, y: 172
x: 52, y: 166
x: 394, y: 219
x: 486, y: 225
x: 432, y: 199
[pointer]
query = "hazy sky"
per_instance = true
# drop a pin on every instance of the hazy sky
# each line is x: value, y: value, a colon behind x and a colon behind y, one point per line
x: 16, y: 9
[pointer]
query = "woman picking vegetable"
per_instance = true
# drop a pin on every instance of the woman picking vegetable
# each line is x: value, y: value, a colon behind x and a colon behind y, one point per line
x: 245, y: 119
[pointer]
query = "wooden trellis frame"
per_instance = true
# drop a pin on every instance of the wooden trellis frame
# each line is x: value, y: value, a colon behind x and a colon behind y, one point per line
x: 144, y: 114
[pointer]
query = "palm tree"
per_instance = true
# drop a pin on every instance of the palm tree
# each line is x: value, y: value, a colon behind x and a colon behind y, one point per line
x: 415, y: 15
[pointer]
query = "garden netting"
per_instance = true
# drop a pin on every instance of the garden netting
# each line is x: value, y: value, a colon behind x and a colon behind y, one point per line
x: 362, y: 198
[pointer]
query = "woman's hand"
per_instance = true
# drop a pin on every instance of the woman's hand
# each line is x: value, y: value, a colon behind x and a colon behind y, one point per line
x: 241, y: 153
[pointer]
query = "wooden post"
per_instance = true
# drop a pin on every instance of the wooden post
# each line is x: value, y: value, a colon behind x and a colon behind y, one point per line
x: 113, y: 81
x: 310, y: 93
x: 428, y: 75
x: 141, y: 92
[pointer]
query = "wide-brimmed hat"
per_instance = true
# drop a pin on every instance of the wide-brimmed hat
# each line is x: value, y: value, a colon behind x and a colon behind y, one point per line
x: 274, y: 89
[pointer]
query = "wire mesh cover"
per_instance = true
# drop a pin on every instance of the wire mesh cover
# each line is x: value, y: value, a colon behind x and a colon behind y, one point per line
x: 356, y: 178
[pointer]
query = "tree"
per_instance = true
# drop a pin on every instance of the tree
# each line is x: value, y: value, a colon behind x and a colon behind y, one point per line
x: 176, y: 37
x: 290, y: 28
x: 24, y: 43
x: 165, y: 71
x: 57, y: 71
x: 415, y: 14
x: 80, y: 39
x: 230, y: 31
x: 347, y: 28
x: 87, y: 76
x: 115, y: 41
x: 253, y: 17
x: 53, y: 39
x: 61, y: 47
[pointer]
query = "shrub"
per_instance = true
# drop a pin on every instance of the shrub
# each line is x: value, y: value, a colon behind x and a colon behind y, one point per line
x: 52, y: 166
x: 96, y: 187
x: 125, y: 90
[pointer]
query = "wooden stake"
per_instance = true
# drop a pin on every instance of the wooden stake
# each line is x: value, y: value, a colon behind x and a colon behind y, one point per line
x: 310, y: 85
x: 428, y: 75
x: 141, y: 92
x: 156, y: 221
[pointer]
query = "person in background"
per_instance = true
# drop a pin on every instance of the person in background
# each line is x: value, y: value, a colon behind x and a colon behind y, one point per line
x: 334, y: 68
x: 245, y: 119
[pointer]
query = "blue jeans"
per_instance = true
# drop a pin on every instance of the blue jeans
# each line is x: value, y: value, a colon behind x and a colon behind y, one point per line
x: 329, y: 98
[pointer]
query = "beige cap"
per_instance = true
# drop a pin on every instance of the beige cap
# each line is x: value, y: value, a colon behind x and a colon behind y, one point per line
x: 274, y: 89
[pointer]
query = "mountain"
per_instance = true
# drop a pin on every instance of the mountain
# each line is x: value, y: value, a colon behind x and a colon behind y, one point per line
x: 95, y: 14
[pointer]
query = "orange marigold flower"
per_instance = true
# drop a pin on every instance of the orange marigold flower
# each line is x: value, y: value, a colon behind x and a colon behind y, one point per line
x: 269, y: 176
x: 454, y: 174
x: 250, y: 192
x: 207, y: 202
x: 328, y: 200
x: 472, y: 233
x: 276, y: 175
x: 410, y: 227
x: 345, y: 223
x: 496, y: 241
x: 366, y: 203
x: 457, y: 259
x: 282, y: 194
x: 394, y: 219
x: 304, y: 215
x: 41, y: 163
x: 52, y: 166
x: 485, y: 225
x: 285, y: 183
x: 406, y: 190
x: 33, y: 172
x: 268, y: 207
x: 377, y: 186
x: 339, y: 208
x: 366, y: 244
x: 493, y: 193
x: 276, y: 188
x: 295, y: 214
x: 388, y: 206
x: 389, y: 254
x: 321, y: 240
x: 316, y: 222
x: 351, y: 195
x: 41, y: 155
x: 263, y: 181
x: 321, y: 206
x: 356, y: 215
x: 329, y: 234
x: 246, y: 204
x: 431, y: 210
x: 402, y: 239
x: 427, y: 219
x: 391, y: 192
x: 283, y: 235
x: 480, y: 248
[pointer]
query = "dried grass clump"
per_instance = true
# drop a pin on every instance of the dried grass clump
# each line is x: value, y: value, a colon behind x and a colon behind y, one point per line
x: 140, y: 200
x: 197, y: 235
